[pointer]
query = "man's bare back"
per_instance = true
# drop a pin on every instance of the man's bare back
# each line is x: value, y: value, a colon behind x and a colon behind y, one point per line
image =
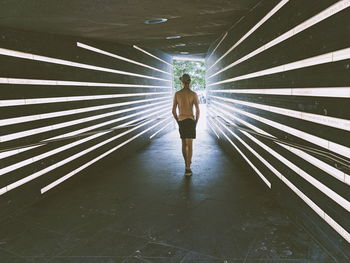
x: 186, y: 99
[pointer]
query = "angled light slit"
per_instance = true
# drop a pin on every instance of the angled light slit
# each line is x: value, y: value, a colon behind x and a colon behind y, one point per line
x: 211, y: 123
x: 336, y: 92
x: 212, y: 128
x: 6, y: 154
x: 307, y: 200
x: 334, y: 147
x: 97, y: 50
x: 267, y: 182
x: 239, y: 119
x: 311, y: 117
x: 62, y: 179
x: 330, y: 11
x: 19, y: 102
x: 167, y: 125
x: 333, y: 56
x: 338, y: 174
x: 222, y: 39
x: 92, y: 127
x: 19, y: 54
x: 307, y: 177
x: 41, y: 116
x: 21, y: 134
x: 73, y: 157
x: 78, y: 142
x: 151, y: 55
x: 341, y: 176
x: 46, y: 82
x: 255, y: 27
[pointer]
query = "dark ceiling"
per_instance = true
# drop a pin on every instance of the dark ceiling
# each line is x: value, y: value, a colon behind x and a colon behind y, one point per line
x: 198, y: 22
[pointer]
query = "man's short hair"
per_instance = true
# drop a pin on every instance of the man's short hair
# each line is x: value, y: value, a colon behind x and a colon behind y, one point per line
x: 185, y: 78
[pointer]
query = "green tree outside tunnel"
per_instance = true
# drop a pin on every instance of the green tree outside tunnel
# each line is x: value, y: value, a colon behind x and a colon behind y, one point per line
x: 196, y: 69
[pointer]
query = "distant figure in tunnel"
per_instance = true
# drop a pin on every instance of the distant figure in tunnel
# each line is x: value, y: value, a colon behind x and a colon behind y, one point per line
x: 185, y: 99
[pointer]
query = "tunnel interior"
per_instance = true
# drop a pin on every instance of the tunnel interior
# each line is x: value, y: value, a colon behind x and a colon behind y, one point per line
x: 91, y: 167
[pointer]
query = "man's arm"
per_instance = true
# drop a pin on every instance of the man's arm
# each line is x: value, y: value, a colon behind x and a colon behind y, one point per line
x: 174, y: 107
x: 196, y: 104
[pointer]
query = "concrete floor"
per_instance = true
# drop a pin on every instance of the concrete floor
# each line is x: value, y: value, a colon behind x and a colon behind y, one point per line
x: 144, y: 210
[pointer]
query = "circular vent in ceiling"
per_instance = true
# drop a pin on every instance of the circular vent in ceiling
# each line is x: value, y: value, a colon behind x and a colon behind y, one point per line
x: 173, y: 37
x: 155, y: 21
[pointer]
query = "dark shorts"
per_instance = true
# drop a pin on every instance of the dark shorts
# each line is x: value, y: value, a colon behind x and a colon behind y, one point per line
x: 187, y: 128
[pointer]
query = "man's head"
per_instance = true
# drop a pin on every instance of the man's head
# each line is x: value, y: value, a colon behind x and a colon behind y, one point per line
x: 185, y: 79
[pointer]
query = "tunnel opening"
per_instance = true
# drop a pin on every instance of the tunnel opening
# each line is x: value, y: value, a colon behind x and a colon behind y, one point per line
x: 195, y: 67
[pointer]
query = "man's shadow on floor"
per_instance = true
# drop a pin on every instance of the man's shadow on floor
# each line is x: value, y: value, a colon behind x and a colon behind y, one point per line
x: 186, y: 188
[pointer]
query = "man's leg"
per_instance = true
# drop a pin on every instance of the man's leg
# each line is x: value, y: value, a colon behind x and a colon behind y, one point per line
x: 189, y: 152
x: 184, y: 150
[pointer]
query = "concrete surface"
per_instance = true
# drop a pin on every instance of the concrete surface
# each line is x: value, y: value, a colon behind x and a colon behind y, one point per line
x: 144, y: 210
x: 198, y: 22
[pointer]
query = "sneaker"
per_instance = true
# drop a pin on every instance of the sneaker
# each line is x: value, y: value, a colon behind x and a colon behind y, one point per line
x: 188, y: 172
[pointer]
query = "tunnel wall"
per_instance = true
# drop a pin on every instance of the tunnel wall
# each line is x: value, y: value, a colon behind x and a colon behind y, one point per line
x: 90, y: 99
x: 283, y: 73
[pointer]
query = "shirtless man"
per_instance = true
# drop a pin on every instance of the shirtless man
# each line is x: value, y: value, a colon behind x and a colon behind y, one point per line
x: 185, y: 99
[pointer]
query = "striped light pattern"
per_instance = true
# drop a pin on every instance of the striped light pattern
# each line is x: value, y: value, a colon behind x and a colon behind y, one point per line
x: 65, y: 177
x: 20, y: 164
x: 267, y: 182
x: 8, y: 153
x: 42, y: 116
x: 332, y: 10
x: 316, y: 118
x: 21, y: 102
x: 336, y: 92
x: 161, y: 129
x: 329, y: 145
x: 251, y: 31
x: 345, y: 234
x: 313, y: 117
x: 41, y: 127
x: 333, y: 56
x: 219, y: 43
x: 151, y: 55
x: 326, y: 190
x: 47, y: 82
x: 128, y: 116
x: 210, y: 124
x: 71, y: 158
x: 97, y: 50
x: 31, y: 132
x: 336, y: 173
x: 23, y: 55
